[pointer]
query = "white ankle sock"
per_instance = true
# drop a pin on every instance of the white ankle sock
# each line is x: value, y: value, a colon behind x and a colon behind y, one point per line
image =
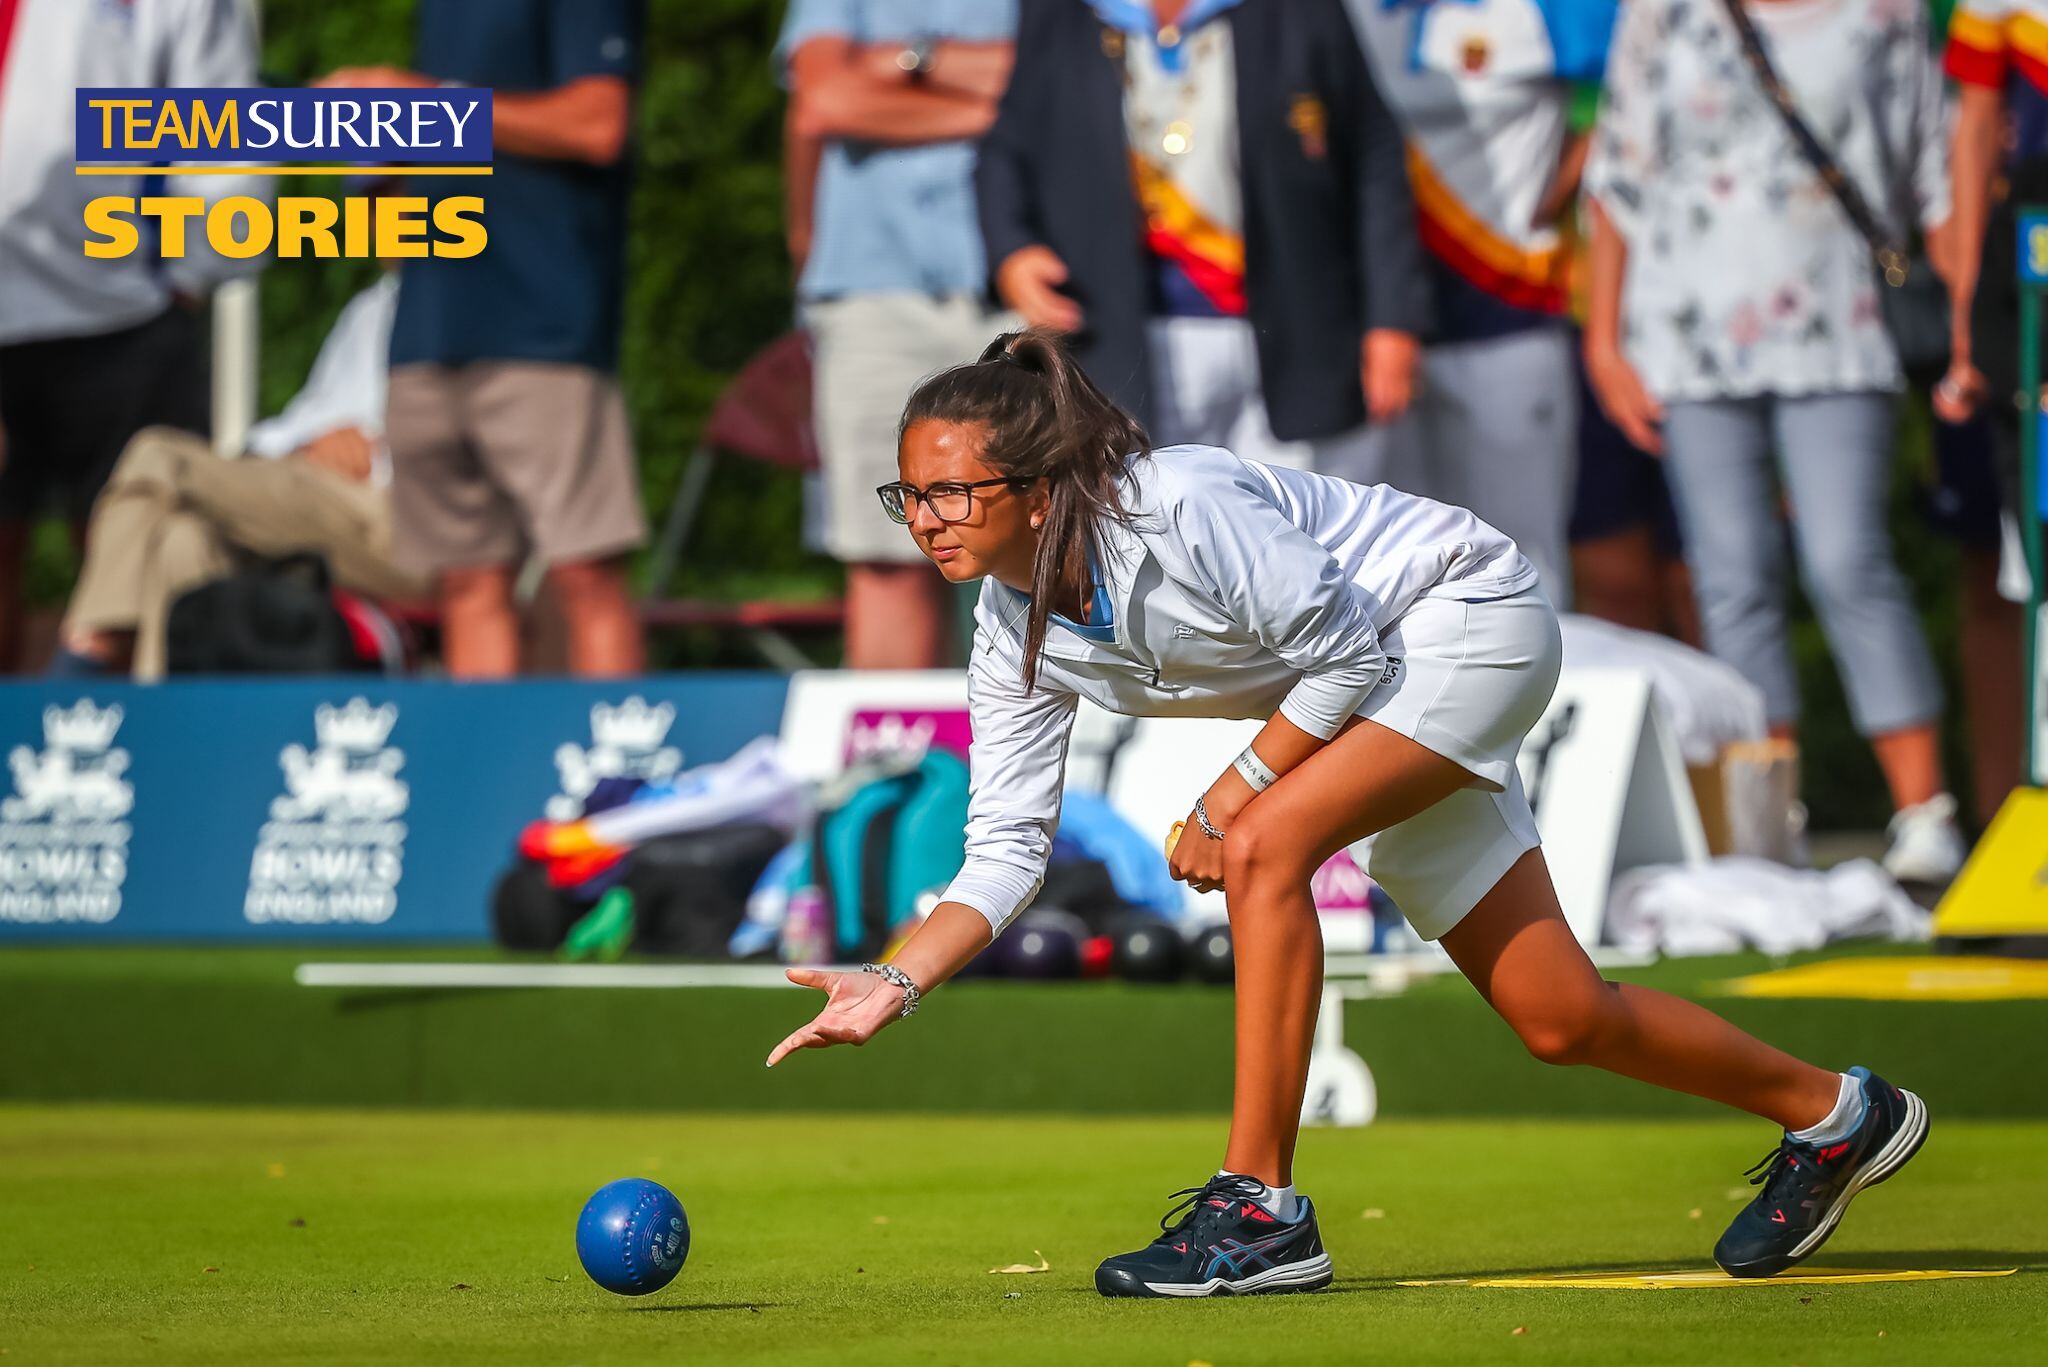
x: 1279, y: 1202
x: 1842, y: 1121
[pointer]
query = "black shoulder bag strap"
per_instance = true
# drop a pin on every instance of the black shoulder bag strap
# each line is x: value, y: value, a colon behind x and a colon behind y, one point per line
x: 1892, y: 263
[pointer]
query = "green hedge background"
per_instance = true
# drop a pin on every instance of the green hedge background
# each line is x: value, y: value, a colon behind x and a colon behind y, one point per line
x: 710, y: 284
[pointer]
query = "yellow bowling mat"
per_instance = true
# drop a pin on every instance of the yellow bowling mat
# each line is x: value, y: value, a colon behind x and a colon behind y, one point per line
x: 1681, y: 1281
x: 1947, y: 978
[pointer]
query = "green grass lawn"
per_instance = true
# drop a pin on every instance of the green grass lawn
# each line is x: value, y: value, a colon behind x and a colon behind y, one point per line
x: 191, y: 1235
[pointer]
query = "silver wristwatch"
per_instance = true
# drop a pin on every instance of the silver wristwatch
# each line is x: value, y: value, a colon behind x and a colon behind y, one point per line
x: 915, y: 58
x: 889, y: 973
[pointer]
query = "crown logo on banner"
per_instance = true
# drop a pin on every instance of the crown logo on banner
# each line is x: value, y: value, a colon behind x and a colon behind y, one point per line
x: 632, y: 726
x: 358, y: 728
x: 81, y: 728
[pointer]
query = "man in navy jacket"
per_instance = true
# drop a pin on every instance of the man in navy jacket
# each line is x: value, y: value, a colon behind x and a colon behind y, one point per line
x: 1211, y: 198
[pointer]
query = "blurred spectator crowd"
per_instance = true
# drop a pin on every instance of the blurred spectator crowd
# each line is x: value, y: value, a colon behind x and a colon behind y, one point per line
x: 1641, y: 284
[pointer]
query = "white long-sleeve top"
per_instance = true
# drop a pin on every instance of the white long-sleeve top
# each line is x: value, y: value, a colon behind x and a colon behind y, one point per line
x: 1238, y: 589
x: 346, y: 386
x: 49, y: 288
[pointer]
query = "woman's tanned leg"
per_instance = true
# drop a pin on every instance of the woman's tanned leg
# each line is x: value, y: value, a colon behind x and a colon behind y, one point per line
x: 1514, y: 946
x: 1364, y: 781
x: 1517, y: 950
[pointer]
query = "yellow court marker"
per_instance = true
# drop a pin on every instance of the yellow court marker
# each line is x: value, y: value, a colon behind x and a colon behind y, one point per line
x: 2003, y: 889
x: 1681, y: 1281
x: 1945, y: 978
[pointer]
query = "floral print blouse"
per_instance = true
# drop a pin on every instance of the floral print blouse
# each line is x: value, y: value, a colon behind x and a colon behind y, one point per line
x: 1744, y: 275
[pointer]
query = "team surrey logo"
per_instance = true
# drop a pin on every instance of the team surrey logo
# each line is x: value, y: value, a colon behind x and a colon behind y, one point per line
x: 163, y: 132
x: 629, y: 740
x: 334, y: 848
x: 64, y: 833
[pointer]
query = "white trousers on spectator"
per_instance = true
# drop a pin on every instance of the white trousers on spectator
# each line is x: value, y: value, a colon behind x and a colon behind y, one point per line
x: 1834, y: 455
x: 1494, y: 428
x: 1205, y: 392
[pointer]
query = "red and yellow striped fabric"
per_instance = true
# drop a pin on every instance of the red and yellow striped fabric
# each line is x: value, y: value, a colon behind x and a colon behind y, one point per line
x: 1991, y: 40
x: 1209, y: 255
x: 1468, y: 245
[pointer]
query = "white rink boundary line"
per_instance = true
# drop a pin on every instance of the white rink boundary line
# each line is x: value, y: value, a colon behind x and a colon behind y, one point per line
x: 1360, y: 977
x: 1422, y: 963
x: 538, y: 975
x: 1388, y: 971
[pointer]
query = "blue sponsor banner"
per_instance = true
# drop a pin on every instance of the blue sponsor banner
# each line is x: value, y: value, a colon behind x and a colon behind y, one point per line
x: 441, y: 126
x: 2033, y: 252
x: 318, y: 809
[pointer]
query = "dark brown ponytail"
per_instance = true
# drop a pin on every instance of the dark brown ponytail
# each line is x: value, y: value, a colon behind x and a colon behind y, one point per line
x: 1048, y: 421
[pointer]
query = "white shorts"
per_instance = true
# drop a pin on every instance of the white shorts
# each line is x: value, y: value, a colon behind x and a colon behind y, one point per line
x: 1468, y: 681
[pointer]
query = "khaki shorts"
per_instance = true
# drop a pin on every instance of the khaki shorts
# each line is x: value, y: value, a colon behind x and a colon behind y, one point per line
x: 868, y: 352
x: 1469, y: 680
x: 498, y: 458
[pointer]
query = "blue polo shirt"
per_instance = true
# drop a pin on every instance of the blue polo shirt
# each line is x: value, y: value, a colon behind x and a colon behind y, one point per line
x: 550, y: 285
x: 893, y: 218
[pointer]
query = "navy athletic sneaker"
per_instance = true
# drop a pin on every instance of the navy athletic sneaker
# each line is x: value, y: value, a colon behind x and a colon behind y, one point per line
x: 1219, y: 1241
x: 1806, y: 1187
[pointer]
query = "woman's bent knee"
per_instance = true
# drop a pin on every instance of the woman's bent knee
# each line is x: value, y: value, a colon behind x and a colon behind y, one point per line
x: 1257, y: 852
x: 1569, y: 1033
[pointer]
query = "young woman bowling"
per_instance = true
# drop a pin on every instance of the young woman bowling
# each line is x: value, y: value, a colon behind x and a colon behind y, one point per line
x: 1399, y: 649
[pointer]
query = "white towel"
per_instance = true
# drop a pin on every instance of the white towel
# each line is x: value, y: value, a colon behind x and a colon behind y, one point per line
x: 1736, y: 903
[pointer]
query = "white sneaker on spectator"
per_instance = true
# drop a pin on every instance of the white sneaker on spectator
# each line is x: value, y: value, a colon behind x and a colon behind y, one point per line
x: 1926, y: 845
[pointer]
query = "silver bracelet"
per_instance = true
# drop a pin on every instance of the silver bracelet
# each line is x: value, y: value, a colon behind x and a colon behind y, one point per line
x: 1202, y: 820
x: 1254, y: 770
x: 889, y: 973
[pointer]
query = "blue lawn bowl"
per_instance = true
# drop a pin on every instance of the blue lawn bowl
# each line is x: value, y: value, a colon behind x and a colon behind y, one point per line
x: 632, y: 1237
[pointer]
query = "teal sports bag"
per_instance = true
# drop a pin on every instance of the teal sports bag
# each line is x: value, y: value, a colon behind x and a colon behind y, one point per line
x: 892, y: 841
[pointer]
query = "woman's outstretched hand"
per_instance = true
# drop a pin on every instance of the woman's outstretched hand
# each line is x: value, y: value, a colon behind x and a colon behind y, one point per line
x: 857, y: 1006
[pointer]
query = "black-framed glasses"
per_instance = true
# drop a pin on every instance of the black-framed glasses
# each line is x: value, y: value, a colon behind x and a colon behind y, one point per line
x: 950, y: 500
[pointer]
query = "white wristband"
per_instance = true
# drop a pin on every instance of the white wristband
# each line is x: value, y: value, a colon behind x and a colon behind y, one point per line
x: 1254, y: 770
